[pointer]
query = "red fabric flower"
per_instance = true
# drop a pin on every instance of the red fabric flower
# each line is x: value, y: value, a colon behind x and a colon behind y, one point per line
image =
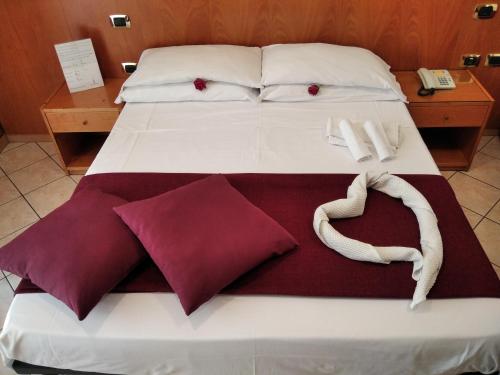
x: 200, y: 84
x: 313, y: 90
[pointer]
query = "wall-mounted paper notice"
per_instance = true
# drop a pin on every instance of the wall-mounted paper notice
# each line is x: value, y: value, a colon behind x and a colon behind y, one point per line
x: 79, y: 65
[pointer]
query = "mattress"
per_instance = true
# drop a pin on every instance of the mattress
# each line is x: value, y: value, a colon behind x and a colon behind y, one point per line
x: 148, y: 333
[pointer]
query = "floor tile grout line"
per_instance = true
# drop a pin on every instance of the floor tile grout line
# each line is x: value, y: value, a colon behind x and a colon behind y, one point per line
x: 29, y: 203
x: 52, y: 158
x: 484, y: 153
x: 491, y: 209
x: 477, y: 213
x: 48, y: 183
x: 50, y: 155
x: 483, y: 219
x: 484, y: 216
x: 17, y: 230
x: 41, y: 186
x: 487, y: 143
x: 33, y: 208
x: 8, y: 282
x: 15, y: 187
x: 491, y: 156
x: 43, y: 148
x: 55, y: 161
x: 28, y: 165
x: 493, y: 220
x: 479, y: 222
x: 12, y: 200
x: 24, y: 198
x: 45, y: 184
x: 477, y: 179
x: 448, y: 178
x: 22, y: 144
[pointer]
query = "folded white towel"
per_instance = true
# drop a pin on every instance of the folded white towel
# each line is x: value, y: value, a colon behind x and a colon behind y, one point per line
x: 425, y: 267
x: 335, y: 137
x: 358, y: 148
x: 377, y: 135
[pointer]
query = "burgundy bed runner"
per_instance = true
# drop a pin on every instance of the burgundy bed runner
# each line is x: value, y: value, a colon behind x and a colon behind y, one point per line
x: 313, y: 269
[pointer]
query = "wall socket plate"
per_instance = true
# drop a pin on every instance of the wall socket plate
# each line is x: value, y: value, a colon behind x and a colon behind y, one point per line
x: 120, y: 21
x: 485, y: 11
x: 492, y: 59
x: 129, y: 67
x: 470, y: 60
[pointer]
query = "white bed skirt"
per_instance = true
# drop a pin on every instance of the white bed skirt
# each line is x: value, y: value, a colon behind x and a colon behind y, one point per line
x: 148, y: 333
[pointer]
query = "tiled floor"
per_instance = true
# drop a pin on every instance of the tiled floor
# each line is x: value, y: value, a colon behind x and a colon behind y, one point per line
x: 32, y: 184
x: 478, y: 191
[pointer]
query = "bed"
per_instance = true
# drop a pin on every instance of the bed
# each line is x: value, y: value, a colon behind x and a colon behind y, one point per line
x: 183, y: 126
x: 148, y: 333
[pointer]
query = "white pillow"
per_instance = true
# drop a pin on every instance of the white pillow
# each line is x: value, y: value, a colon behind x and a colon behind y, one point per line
x: 180, y: 92
x: 222, y: 63
x: 299, y: 93
x: 326, y: 64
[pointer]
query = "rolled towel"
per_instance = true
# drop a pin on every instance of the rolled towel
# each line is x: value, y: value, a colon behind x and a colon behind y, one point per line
x: 329, y: 130
x: 358, y: 148
x: 377, y: 135
x: 426, y: 265
x: 335, y: 137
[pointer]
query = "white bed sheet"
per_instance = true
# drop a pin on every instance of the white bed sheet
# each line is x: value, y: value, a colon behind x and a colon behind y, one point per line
x: 240, y: 137
x: 148, y: 333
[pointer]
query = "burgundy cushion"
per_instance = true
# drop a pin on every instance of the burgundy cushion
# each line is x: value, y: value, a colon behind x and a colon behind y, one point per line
x: 78, y: 253
x: 204, y: 235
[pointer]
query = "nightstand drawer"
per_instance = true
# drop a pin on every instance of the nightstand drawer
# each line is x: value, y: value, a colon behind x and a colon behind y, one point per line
x: 91, y: 121
x: 428, y: 116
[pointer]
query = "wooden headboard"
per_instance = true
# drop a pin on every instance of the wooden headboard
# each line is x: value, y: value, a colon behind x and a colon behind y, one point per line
x: 407, y: 34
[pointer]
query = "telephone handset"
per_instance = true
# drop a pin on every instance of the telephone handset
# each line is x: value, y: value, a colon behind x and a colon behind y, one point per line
x: 434, y: 80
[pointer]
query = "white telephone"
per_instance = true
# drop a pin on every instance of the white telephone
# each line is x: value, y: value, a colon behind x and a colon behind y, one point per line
x: 435, y: 80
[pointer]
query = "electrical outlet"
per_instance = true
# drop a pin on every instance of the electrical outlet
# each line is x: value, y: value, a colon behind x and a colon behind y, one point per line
x: 484, y: 11
x: 120, y: 21
x: 493, y: 59
x: 470, y: 60
x: 129, y: 67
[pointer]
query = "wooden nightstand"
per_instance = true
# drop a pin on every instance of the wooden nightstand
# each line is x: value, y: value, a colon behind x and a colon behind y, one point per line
x: 79, y: 123
x: 450, y: 121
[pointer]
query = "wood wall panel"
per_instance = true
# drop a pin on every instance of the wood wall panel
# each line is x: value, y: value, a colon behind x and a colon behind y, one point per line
x: 28, y: 70
x: 408, y: 34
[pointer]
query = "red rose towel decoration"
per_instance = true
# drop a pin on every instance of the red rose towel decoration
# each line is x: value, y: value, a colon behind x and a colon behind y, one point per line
x: 200, y: 84
x: 313, y: 89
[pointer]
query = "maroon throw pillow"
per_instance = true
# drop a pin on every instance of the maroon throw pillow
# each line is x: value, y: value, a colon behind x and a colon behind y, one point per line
x: 203, y: 236
x: 78, y: 253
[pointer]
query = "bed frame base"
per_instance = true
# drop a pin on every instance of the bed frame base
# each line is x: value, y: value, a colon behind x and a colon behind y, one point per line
x: 25, y: 368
